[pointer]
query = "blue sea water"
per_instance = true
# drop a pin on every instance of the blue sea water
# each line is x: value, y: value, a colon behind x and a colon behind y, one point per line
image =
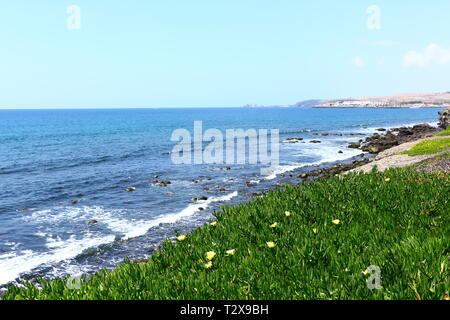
x: 50, y: 157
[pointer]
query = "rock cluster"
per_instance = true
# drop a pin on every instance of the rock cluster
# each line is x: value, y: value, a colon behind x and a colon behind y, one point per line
x: 394, y: 137
x: 444, y: 118
x: 336, y: 169
x: 162, y: 183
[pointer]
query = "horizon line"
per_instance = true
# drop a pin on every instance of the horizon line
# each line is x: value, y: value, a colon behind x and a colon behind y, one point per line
x: 108, y: 108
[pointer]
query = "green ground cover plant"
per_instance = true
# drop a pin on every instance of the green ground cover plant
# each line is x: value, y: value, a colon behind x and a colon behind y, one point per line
x: 312, y: 241
x: 429, y: 147
x: 444, y: 133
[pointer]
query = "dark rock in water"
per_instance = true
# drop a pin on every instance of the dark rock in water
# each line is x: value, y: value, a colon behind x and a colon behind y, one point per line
x: 294, y: 139
x: 315, y: 141
x: 340, y: 151
x: 199, y: 199
x: 162, y: 183
x: 155, y: 177
x: 93, y: 221
x: 222, y: 189
x: 303, y: 175
x: 381, y: 129
x: 354, y: 145
x: 131, y: 189
x: 249, y: 184
x: 1, y: 250
x: 201, y: 208
x: 74, y: 201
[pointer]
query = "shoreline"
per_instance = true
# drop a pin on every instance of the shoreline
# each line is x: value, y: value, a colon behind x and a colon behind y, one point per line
x: 294, y: 177
x: 247, y: 244
x: 402, y: 107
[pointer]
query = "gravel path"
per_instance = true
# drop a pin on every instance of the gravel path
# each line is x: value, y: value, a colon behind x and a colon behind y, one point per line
x: 442, y: 165
x: 391, y: 159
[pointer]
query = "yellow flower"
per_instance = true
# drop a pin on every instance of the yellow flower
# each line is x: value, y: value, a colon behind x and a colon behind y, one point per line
x: 214, y: 223
x: 208, y: 265
x: 314, y: 230
x: 231, y: 252
x: 336, y: 221
x: 387, y: 179
x: 271, y: 244
x: 210, y: 255
x: 181, y: 238
x: 365, y: 272
x: 287, y: 213
x: 274, y: 225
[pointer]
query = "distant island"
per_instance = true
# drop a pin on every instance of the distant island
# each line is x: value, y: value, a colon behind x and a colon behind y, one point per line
x: 430, y: 100
x: 305, y: 103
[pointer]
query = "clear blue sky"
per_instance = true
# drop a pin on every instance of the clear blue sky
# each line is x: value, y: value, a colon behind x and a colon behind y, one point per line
x: 200, y: 53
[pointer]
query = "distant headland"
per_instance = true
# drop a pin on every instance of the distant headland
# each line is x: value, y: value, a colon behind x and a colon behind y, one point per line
x: 414, y: 100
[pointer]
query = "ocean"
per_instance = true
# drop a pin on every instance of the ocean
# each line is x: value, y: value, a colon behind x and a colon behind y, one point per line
x: 50, y: 157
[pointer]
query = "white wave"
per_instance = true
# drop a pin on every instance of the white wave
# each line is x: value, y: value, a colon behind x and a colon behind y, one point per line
x: 138, y: 229
x: 27, y: 260
x: 328, y: 153
x: 284, y: 168
x: 12, y: 265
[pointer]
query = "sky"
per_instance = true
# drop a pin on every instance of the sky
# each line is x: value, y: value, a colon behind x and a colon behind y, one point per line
x: 204, y: 53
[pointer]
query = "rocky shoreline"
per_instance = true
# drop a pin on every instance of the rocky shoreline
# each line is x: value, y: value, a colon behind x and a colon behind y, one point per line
x: 379, y: 142
x: 373, y: 145
x: 370, y: 146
